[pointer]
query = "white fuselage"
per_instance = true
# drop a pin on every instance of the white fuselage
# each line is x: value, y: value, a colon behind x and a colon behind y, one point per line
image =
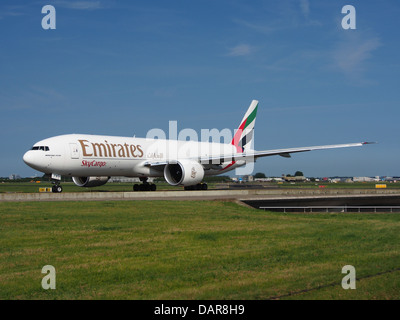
x: 84, y: 155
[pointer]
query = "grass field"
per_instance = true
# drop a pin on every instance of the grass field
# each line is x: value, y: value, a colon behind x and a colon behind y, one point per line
x: 193, y: 250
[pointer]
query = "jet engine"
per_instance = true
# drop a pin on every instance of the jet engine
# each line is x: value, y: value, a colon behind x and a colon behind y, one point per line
x: 90, y: 181
x: 186, y: 173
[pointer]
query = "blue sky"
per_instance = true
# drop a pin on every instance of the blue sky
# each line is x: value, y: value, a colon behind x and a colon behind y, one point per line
x: 125, y: 67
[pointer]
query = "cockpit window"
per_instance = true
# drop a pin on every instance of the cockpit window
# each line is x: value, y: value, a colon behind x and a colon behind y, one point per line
x: 43, y: 148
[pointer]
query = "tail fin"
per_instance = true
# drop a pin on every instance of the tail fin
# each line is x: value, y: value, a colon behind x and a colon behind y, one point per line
x: 244, y: 134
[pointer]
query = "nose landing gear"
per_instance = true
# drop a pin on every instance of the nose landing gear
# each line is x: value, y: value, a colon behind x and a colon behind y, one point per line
x: 56, y: 188
x: 55, y: 180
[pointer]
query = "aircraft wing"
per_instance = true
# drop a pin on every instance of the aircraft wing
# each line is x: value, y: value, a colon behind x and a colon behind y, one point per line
x: 280, y: 152
x: 252, y: 155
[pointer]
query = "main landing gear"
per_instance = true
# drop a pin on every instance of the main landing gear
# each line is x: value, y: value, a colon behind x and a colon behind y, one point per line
x: 199, y: 186
x: 145, y: 186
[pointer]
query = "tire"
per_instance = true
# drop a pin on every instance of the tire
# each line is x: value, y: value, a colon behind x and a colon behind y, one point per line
x: 56, y: 189
x: 153, y: 187
x: 144, y: 187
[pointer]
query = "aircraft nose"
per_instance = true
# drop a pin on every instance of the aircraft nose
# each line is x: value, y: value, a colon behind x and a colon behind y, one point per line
x: 30, y: 159
x: 27, y: 157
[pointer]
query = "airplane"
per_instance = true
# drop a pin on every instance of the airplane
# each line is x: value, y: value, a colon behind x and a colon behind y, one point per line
x: 91, y: 160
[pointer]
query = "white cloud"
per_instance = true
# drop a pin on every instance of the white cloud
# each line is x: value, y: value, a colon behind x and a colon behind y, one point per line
x: 240, y: 50
x: 12, y: 11
x: 351, y: 54
x: 305, y: 7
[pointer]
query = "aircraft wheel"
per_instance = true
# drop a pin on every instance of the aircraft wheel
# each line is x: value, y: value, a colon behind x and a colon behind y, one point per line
x: 57, y: 189
x: 153, y: 187
x: 135, y: 187
x: 144, y: 187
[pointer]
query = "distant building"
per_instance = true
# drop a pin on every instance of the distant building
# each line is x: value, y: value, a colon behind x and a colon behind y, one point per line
x: 391, y: 179
x: 247, y: 179
x: 14, y: 177
x: 294, y: 179
x: 365, y: 179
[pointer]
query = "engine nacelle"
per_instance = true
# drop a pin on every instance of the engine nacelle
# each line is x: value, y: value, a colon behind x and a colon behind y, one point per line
x: 186, y: 173
x: 90, y: 181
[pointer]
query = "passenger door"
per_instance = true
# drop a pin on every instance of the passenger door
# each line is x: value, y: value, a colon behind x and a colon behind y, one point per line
x: 73, y: 147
